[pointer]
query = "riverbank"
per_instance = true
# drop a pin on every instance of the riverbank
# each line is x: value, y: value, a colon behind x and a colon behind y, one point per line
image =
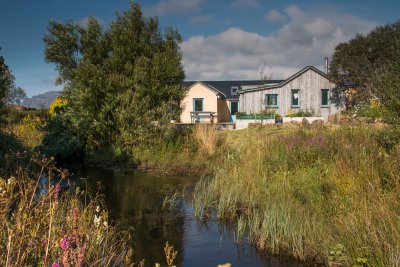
x: 44, y: 223
x: 326, y: 195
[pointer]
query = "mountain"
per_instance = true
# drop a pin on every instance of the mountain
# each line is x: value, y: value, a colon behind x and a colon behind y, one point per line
x: 42, y: 101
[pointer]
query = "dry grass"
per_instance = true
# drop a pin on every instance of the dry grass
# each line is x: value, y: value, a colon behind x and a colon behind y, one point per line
x: 207, y: 137
x: 331, y: 196
x: 55, y: 227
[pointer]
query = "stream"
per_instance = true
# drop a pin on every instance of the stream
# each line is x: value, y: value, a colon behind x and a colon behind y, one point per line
x: 135, y: 199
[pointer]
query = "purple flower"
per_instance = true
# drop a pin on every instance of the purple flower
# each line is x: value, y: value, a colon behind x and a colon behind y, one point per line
x: 55, y: 264
x: 65, y: 242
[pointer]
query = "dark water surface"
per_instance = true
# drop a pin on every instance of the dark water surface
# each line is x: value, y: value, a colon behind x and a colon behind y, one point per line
x: 135, y: 200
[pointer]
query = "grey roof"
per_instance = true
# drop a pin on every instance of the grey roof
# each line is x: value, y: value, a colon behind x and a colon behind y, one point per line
x: 224, y: 87
x: 283, y: 82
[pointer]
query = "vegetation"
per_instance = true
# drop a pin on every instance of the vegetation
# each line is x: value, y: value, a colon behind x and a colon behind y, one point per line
x: 301, y: 113
x: 9, y: 92
x: 368, y: 64
x: 122, y: 84
x: 330, y: 196
x: 45, y: 226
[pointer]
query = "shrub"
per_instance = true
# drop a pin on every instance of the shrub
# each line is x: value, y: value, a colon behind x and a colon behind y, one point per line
x: 301, y: 113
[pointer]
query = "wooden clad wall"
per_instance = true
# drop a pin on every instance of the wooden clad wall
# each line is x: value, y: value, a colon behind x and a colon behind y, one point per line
x: 309, y: 83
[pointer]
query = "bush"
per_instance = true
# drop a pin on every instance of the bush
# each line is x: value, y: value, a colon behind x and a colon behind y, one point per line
x: 369, y: 110
x: 301, y: 113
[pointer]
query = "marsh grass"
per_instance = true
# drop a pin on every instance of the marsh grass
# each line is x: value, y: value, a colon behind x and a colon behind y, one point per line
x: 55, y: 227
x: 310, y: 192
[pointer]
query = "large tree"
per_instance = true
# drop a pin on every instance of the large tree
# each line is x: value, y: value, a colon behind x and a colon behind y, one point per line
x: 122, y: 83
x: 356, y: 64
x: 6, y: 83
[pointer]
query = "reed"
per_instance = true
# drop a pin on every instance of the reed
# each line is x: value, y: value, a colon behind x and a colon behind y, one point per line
x: 329, y: 196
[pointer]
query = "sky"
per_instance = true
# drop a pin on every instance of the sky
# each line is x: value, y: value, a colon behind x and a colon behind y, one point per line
x: 223, y: 40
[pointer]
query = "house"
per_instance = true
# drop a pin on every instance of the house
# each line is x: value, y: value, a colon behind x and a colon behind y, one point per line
x: 212, y: 101
x: 309, y: 89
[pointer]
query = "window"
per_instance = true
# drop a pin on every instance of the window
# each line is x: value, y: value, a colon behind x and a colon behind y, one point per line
x: 234, y: 90
x: 198, y: 104
x: 271, y: 100
x: 324, y: 97
x: 295, y: 98
x: 234, y: 107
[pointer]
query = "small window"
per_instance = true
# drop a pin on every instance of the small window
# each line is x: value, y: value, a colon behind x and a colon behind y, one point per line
x: 325, y: 97
x: 295, y: 98
x: 234, y: 90
x: 234, y: 107
x: 198, y: 104
x: 271, y: 100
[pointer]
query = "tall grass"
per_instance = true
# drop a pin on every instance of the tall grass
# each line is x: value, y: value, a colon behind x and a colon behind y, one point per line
x: 55, y: 227
x: 207, y: 137
x: 330, y: 196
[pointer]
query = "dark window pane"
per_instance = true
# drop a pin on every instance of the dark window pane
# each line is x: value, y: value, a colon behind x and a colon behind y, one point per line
x: 324, y: 97
x: 234, y: 107
x: 295, y: 98
x: 198, y: 104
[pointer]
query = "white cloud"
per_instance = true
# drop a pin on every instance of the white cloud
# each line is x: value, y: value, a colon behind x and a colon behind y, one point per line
x: 245, y: 3
x: 305, y: 39
x: 164, y: 7
x: 275, y: 16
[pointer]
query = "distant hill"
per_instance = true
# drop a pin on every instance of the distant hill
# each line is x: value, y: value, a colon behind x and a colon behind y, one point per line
x: 42, y: 101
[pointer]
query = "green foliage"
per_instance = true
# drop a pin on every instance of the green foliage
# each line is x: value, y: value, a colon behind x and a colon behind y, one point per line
x: 388, y: 137
x: 369, y: 110
x: 9, y: 144
x: 123, y: 83
x: 6, y: 82
x: 301, y: 113
x: 358, y: 62
x: 62, y: 139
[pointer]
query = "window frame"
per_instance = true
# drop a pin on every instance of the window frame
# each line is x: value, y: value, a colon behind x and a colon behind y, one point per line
x: 194, y: 104
x: 292, y: 98
x: 266, y: 101
x: 234, y: 90
x: 327, y: 98
x: 230, y: 106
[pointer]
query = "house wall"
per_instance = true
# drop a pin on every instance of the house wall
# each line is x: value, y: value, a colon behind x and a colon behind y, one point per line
x: 199, y: 90
x: 309, y: 83
x: 223, y: 110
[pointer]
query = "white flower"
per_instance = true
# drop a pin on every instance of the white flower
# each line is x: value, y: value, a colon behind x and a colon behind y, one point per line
x: 97, y: 220
x: 98, y: 209
x: 105, y: 224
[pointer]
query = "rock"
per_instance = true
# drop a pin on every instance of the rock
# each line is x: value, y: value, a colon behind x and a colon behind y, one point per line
x: 318, y: 124
x: 305, y: 123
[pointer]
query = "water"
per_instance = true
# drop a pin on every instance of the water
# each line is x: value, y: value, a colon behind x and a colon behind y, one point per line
x: 135, y: 200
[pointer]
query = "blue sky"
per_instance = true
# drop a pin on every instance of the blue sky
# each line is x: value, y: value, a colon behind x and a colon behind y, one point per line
x: 222, y: 39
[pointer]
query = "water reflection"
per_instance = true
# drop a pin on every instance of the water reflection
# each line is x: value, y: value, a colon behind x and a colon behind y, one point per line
x: 135, y: 200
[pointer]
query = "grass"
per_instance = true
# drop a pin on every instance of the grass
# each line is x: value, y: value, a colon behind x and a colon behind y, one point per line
x: 329, y: 196
x: 57, y: 227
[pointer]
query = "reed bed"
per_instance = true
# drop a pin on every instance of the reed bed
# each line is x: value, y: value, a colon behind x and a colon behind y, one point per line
x: 321, y: 195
